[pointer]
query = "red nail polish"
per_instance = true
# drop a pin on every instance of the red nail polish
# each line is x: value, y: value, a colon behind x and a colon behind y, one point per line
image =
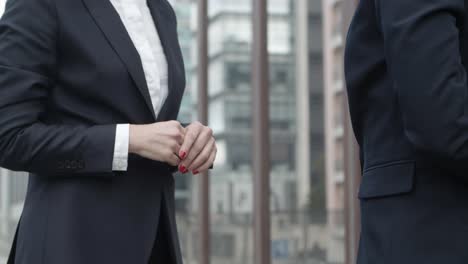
x: 182, y: 169
x: 195, y: 172
x: 183, y: 154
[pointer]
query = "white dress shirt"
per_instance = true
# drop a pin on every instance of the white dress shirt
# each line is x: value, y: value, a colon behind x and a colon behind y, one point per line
x: 140, y: 26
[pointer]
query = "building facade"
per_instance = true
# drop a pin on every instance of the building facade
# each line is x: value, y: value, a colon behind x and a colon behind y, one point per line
x: 307, y: 214
x: 333, y: 39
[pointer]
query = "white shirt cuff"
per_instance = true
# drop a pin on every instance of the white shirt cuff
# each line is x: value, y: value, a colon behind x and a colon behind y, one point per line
x: 122, y: 134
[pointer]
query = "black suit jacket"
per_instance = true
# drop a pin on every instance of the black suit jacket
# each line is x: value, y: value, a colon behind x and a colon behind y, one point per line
x: 68, y: 74
x: 406, y: 72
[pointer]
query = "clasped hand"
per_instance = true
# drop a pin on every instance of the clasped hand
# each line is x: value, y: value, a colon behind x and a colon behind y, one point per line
x: 192, y: 148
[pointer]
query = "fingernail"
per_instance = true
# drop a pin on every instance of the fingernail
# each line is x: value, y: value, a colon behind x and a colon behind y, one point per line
x: 195, y: 172
x: 185, y: 171
x: 183, y: 154
x: 182, y: 168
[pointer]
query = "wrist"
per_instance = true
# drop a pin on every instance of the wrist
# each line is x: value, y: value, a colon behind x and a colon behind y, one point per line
x: 133, y: 145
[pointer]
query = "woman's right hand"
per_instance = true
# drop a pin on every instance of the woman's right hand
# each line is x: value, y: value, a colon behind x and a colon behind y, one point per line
x: 158, y: 141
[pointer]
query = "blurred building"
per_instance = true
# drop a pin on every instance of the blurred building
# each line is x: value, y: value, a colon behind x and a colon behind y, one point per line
x: 334, y: 96
x: 230, y: 98
x: 307, y: 219
x: 230, y: 39
x: 333, y: 39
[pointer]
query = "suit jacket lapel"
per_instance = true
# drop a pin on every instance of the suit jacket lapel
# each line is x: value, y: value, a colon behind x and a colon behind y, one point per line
x: 108, y: 20
x: 158, y: 9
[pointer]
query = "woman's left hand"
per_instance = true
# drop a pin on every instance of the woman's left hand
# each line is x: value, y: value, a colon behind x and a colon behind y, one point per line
x: 198, y: 151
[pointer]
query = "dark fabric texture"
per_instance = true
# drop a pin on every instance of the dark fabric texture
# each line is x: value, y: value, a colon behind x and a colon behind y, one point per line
x: 406, y: 74
x: 162, y: 251
x: 68, y: 74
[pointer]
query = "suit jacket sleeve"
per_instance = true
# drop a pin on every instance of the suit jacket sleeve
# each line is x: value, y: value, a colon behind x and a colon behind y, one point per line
x: 422, y: 49
x: 28, y: 66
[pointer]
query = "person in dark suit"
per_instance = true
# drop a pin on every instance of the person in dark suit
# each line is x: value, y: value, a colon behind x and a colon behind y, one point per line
x: 406, y: 73
x: 89, y: 94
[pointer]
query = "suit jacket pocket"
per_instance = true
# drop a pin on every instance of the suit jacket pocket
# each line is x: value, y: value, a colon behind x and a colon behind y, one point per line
x: 389, y: 179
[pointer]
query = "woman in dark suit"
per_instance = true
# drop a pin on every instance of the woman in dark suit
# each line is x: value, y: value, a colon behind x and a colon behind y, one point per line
x: 89, y: 90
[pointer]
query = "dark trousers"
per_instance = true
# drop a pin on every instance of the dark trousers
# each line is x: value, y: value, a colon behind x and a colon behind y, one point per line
x: 162, y: 252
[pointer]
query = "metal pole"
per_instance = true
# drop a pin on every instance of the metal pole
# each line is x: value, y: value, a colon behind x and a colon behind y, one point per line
x: 302, y: 102
x: 352, y: 167
x: 303, y: 117
x: 352, y: 179
x: 261, y: 133
x: 204, y: 182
